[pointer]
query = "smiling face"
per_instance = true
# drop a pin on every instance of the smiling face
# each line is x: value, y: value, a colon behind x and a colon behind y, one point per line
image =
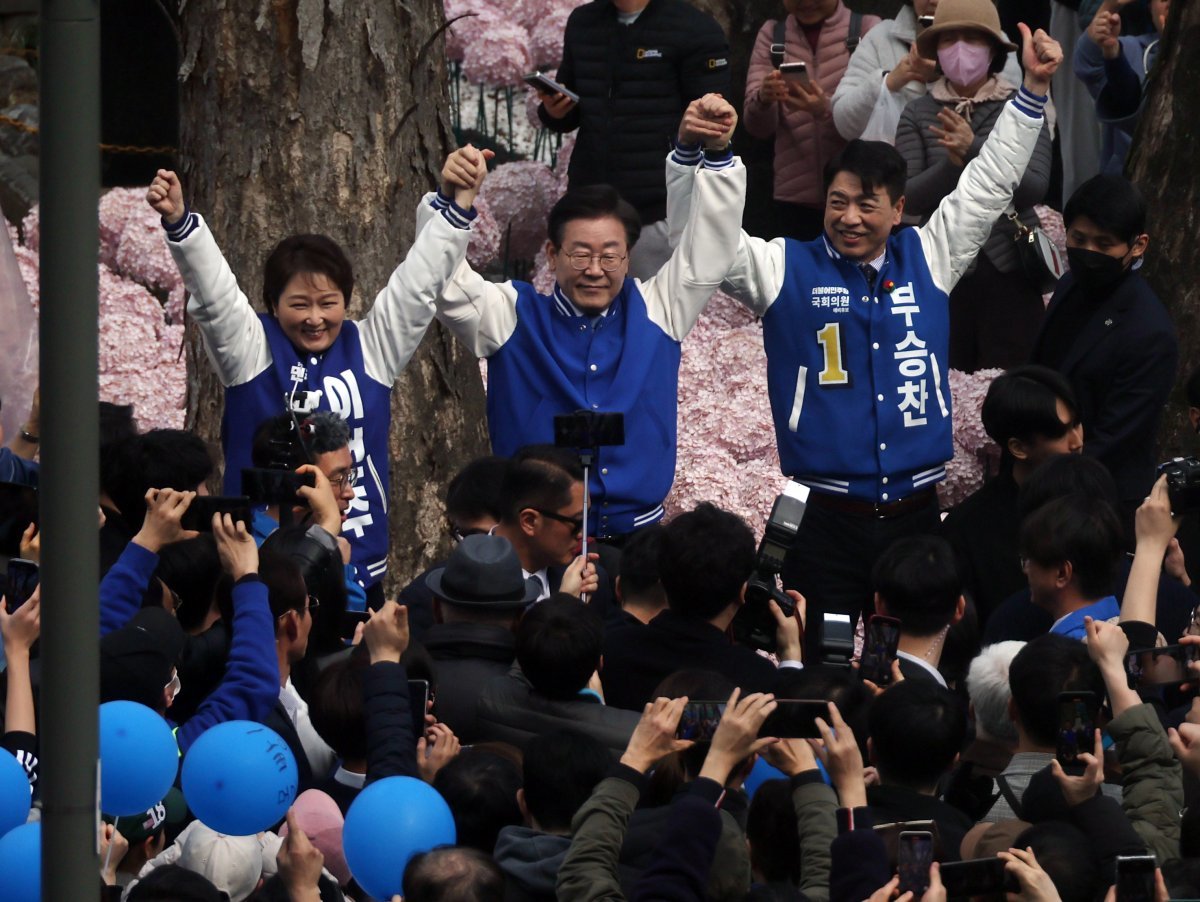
x: 311, y: 311
x: 858, y: 223
x: 811, y: 12
x: 592, y: 290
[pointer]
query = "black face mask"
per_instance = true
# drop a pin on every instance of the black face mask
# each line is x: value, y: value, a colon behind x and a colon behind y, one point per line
x: 1093, y: 269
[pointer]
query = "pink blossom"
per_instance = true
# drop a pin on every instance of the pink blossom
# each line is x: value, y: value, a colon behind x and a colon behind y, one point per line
x: 119, y: 209
x: 520, y: 196
x: 474, y: 18
x: 499, y: 55
x: 546, y: 38
x: 484, y: 247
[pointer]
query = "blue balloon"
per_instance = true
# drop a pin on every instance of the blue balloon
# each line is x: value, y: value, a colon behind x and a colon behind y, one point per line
x: 239, y: 777
x: 138, y: 758
x: 14, y: 793
x: 21, y: 864
x: 388, y: 823
x: 760, y: 774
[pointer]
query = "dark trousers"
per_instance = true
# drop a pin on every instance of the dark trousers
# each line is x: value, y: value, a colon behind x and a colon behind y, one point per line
x: 830, y: 562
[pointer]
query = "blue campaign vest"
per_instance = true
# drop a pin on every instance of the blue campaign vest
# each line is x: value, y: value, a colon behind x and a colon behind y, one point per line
x: 558, y: 362
x: 859, y: 381
x: 348, y: 391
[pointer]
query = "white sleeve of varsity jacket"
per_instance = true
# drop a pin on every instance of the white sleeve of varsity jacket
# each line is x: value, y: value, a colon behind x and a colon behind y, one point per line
x: 756, y: 276
x: 404, y: 308
x: 676, y: 295
x: 233, y: 335
x: 965, y: 217
x: 481, y: 314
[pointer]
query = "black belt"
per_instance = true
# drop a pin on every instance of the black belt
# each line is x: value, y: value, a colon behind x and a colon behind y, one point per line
x: 884, y: 510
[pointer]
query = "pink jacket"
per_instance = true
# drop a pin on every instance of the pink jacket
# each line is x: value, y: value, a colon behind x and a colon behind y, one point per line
x: 802, y: 144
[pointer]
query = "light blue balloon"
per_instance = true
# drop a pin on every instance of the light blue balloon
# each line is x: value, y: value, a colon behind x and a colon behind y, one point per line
x: 21, y: 864
x: 760, y: 774
x: 138, y: 758
x: 14, y: 793
x: 239, y: 777
x: 388, y: 823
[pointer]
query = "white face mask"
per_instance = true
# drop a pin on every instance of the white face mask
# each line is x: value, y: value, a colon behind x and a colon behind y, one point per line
x: 172, y: 688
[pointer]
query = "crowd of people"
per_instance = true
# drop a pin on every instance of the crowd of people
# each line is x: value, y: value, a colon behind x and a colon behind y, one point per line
x: 881, y: 699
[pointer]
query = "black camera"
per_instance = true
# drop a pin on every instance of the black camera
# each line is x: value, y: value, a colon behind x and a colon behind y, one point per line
x: 754, y: 625
x: 1183, y: 484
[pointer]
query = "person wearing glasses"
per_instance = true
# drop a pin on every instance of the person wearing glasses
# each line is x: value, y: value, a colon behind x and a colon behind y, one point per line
x: 324, y: 452
x: 601, y: 340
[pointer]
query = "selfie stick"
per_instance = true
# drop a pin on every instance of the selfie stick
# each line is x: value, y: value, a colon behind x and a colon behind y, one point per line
x: 587, y: 458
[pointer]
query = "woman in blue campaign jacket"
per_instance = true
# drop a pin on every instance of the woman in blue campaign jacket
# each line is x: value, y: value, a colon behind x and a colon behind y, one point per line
x: 305, y: 343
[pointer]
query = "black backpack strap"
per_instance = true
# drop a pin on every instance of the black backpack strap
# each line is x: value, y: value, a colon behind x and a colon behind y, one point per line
x: 779, y: 43
x: 1009, y: 796
x: 855, y: 34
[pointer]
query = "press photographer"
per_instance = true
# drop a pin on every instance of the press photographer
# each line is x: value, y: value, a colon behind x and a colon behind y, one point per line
x: 706, y: 562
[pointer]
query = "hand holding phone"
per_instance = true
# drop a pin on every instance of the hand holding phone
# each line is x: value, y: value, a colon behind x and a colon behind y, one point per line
x: 880, y: 642
x: 796, y: 71
x: 1076, y: 725
x: 22, y: 579
x: 545, y: 85
x: 1135, y: 878
x: 913, y: 860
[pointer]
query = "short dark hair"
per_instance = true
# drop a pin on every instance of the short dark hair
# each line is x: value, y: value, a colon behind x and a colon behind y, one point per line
x: 559, y: 642
x: 560, y: 770
x: 916, y: 729
x: 312, y: 254
x: 191, y: 568
x: 175, y: 883
x: 773, y: 833
x: 877, y: 164
x: 1066, y: 474
x: 336, y: 709
x: 593, y: 202
x: 706, y: 556
x: 285, y: 584
x: 638, y: 568
x: 323, y: 431
x: 1048, y: 665
x: 159, y: 459
x: 481, y: 789
x: 1081, y: 529
x: 538, y: 476
x: 324, y: 576
x: 1067, y: 856
x: 1023, y: 404
x: 1112, y: 202
x: 453, y: 874
x: 917, y: 578
x: 474, y: 491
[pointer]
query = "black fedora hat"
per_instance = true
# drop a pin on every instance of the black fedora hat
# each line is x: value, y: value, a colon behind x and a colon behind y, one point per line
x: 483, y: 571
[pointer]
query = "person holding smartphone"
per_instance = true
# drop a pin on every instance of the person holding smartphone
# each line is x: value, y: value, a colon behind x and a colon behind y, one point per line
x: 304, y: 345
x: 795, y: 111
x: 635, y: 65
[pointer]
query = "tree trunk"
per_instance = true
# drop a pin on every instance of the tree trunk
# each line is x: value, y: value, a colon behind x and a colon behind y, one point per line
x: 330, y: 116
x: 1163, y: 164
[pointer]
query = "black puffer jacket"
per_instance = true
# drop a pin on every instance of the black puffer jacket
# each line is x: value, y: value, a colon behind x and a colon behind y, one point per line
x: 634, y: 82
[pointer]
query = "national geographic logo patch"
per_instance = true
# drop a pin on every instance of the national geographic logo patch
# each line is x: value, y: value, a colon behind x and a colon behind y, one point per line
x: 719, y: 63
x: 646, y: 53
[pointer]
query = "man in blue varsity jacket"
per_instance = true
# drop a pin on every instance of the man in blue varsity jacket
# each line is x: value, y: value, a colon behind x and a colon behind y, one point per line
x: 305, y: 343
x: 856, y: 325
x: 603, y: 341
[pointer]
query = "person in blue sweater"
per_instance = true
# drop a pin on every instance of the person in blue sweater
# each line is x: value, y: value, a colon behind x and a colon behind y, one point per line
x: 140, y: 649
x: 602, y: 341
x: 856, y: 329
x: 305, y: 350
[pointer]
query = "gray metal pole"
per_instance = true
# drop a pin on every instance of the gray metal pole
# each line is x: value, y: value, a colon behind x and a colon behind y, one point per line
x: 70, y: 485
